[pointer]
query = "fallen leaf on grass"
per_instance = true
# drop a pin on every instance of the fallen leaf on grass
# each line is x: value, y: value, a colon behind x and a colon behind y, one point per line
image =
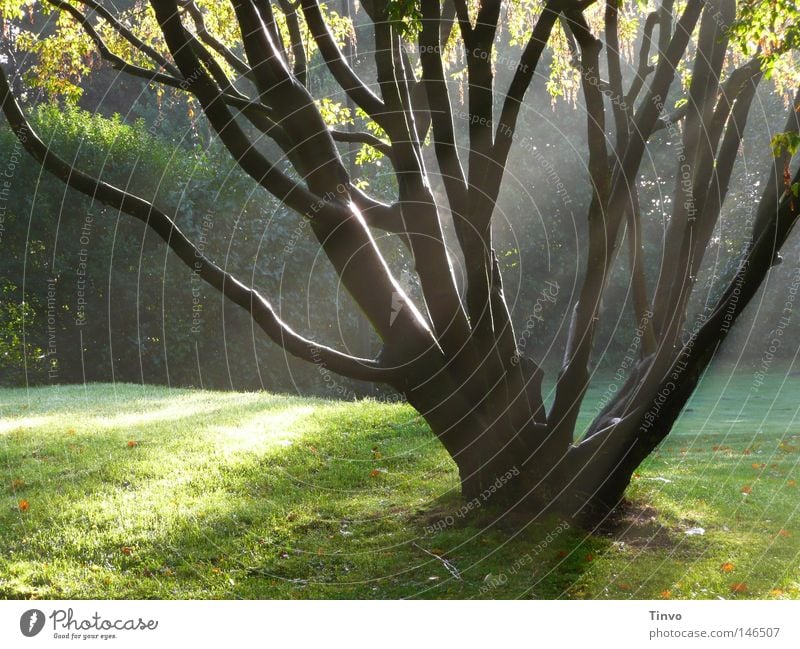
x: 666, y: 594
x: 132, y: 443
x: 23, y: 505
x: 126, y: 550
x: 739, y: 587
x: 727, y: 567
x: 747, y: 489
x: 776, y: 592
x: 589, y: 557
x: 784, y: 533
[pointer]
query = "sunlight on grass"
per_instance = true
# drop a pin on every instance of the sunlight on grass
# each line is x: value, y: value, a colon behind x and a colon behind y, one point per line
x: 136, y: 492
x: 263, y: 430
x: 20, y: 423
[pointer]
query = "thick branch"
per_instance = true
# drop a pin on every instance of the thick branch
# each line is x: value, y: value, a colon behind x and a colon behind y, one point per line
x: 574, y: 376
x: 430, y: 48
x: 295, y: 36
x: 208, y: 38
x: 700, y: 142
x: 338, y: 65
x: 341, y: 231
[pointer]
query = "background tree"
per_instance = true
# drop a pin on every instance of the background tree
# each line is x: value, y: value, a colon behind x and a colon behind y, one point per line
x: 448, y: 343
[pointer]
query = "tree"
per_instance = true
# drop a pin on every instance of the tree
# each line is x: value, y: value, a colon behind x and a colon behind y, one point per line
x: 456, y: 357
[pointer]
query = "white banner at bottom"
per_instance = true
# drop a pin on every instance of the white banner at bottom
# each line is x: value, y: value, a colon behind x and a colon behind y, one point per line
x: 386, y: 625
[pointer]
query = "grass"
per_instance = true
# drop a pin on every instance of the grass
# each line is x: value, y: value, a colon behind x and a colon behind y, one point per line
x: 142, y: 492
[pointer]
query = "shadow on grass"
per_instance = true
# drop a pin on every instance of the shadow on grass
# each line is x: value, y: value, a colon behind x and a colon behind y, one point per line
x: 258, y: 496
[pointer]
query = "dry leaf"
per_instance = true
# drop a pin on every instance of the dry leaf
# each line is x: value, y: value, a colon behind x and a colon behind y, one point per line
x: 784, y: 533
x: 739, y: 587
x: 727, y: 567
x: 23, y: 505
x: 590, y: 557
x: 666, y: 594
x: 126, y: 550
x: 747, y: 489
x: 374, y: 473
x: 776, y: 592
x: 132, y: 444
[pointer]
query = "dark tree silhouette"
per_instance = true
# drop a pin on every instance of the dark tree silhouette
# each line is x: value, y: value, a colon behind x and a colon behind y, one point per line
x: 456, y: 357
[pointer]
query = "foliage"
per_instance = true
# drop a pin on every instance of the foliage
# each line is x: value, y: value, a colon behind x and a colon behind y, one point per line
x: 129, y: 278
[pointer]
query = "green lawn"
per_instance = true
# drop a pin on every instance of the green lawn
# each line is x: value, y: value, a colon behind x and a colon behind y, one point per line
x: 142, y: 492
